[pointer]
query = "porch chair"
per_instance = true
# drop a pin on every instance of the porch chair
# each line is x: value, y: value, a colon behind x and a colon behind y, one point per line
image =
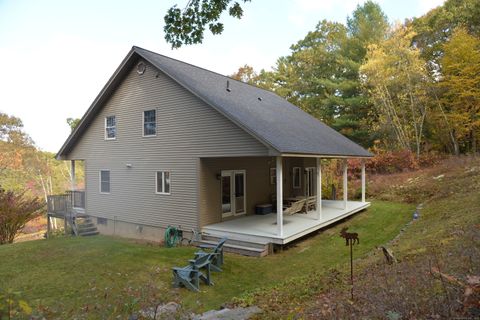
x: 311, y: 203
x: 295, y: 207
x: 216, y: 251
x: 191, y: 275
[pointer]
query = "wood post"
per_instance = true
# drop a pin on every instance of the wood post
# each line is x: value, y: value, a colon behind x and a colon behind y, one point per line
x: 72, y: 175
x: 363, y: 180
x: 319, y: 189
x: 49, y: 228
x: 345, y: 184
x: 279, y: 177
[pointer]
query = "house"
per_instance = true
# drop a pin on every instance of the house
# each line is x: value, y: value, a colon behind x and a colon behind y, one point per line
x: 166, y: 143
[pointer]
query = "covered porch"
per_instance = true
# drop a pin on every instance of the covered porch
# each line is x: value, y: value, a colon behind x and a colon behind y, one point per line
x: 293, y: 180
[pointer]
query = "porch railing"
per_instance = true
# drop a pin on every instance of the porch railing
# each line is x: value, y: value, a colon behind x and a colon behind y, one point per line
x: 62, y: 204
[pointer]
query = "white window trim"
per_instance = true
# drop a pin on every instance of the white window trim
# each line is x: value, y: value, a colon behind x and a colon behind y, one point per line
x: 299, y: 178
x: 143, y: 124
x: 105, y: 128
x: 163, y: 181
x: 100, y: 181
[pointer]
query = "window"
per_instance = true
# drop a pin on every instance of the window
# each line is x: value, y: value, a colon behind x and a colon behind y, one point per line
x: 110, y: 128
x: 149, y: 123
x: 273, y: 175
x: 163, y: 182
x: 104, y: 181
x: 296, y: 177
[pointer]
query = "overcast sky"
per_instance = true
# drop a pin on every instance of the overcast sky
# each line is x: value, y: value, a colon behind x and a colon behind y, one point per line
x: 56, y: 55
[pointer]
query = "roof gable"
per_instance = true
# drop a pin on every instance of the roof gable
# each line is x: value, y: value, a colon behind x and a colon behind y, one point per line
x: 266, y: 116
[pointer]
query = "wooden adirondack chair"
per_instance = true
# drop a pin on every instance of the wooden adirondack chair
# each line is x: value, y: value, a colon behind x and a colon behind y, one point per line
x: 191, y: 275
x: 216, y: 251
x: 295, y: 207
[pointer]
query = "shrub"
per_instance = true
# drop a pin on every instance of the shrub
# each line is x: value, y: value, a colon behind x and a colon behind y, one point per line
x: 15, y: 211
x: 387, y: 162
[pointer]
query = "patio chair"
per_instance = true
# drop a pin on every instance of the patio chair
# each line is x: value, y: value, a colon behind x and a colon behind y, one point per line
x: 311, y: 203
x: 216, y: 251
x: 295, y: 207
x: 191, y: 275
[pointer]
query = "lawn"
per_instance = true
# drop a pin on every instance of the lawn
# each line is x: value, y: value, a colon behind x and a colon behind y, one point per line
x: 101, y: 277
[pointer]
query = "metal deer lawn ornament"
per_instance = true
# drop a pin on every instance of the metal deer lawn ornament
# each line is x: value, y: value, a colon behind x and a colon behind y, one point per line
x: 350, y: 239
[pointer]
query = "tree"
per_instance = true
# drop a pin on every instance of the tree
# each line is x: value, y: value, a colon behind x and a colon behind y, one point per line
x: 73, y: 123
x: 461, y: 82
x: 396, y: 79
x: 15, y: 211
x: 435, y: 28
x: 11, y: 131
x: 246, y: 74
x: 188, y: 26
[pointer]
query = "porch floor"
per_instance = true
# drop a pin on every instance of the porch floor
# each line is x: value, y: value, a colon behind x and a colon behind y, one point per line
x: 263, y: 228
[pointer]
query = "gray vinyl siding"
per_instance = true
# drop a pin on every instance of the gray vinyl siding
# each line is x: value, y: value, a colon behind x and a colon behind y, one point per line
x: 187, y: 129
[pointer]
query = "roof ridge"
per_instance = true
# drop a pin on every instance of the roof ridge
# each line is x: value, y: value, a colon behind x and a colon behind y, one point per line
x: 205, y: 69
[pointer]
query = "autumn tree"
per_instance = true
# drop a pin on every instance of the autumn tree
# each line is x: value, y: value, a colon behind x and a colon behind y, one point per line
x: 15, y: 211
x: 396, y: 79
x: 461, y: 82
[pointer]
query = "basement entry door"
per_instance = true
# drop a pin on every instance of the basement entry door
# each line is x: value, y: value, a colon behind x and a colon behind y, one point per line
x: 233, y: 191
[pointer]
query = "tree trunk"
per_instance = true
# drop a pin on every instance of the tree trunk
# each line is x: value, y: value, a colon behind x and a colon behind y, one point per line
x: 474, y: 142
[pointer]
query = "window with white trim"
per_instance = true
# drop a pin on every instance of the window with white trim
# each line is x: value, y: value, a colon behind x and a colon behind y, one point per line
x: 104, y: 181
x: 110, y: 128
x: 162, y: 179
x: 149, y: 123
x: 297, y: 177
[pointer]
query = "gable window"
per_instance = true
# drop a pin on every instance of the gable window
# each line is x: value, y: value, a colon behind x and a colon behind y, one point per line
x: 162, y: 179
x: 110, y: 128
x: 149, y: 123
x: 296, y: 177
x: 104, y: 181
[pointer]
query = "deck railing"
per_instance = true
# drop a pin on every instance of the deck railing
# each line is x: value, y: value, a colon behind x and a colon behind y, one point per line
x: 62, y: 204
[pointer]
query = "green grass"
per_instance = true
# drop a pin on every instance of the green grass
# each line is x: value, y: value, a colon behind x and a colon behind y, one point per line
x: 99, y: 277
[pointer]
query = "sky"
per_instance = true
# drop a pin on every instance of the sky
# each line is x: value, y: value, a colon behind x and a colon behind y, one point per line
x: 56, y: 55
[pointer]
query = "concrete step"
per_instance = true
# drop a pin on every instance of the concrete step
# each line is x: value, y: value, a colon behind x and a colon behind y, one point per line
x: 89, y: 233
x: 85, y: 224
x: 82, y: 228
x: 239, y: 249
x: 242, y: 243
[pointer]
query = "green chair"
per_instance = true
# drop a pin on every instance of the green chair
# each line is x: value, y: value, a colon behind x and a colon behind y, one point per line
x: 191, y: 275
x: 216, y: 251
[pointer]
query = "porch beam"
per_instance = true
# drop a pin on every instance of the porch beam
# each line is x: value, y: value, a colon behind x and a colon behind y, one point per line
x: 345, y: 184
x: 279, y: 181
x: 319, y: 189
x: 363, y: 180
x: 72, y: 175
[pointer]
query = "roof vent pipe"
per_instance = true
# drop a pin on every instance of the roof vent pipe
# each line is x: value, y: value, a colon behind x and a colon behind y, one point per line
x: 228, y: 86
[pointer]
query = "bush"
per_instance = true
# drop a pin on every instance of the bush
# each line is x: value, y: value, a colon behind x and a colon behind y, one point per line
x: 387, y: 162
x: 15, y: 211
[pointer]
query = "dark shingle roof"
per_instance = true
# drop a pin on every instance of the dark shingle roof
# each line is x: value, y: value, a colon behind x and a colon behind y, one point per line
x: 271, y: 119
x: 268, y: 117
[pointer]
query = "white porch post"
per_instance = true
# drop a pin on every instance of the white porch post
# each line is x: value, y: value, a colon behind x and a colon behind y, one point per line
x: 363, y: 180
x: 72, y: 175
x: 279, y: 196
x: 345, y: 182
x: 319, y: 189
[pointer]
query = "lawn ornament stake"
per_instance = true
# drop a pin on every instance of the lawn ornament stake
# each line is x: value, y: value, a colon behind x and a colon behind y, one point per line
x: 350, y: 239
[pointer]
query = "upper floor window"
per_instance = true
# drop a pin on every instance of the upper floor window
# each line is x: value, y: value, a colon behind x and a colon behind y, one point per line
x: 105, y: 181
x: 149, y: 123
x: 163, y: 182
x: 110, y: 127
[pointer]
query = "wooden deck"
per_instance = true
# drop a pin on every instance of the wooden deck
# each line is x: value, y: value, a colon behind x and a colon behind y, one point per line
x: 263, y: 228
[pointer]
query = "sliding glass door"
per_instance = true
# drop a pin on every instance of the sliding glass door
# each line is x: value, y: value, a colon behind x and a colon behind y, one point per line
x: 233, y: 190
